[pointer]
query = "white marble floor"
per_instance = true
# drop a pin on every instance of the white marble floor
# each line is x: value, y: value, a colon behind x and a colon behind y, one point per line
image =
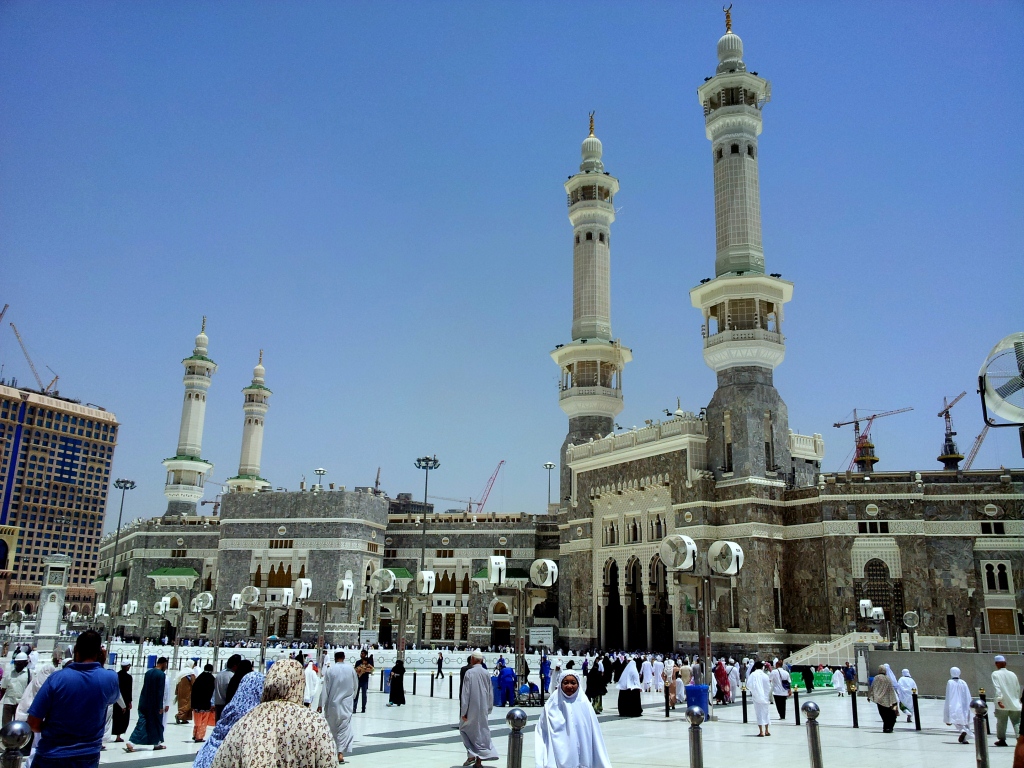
x: 421, y: 735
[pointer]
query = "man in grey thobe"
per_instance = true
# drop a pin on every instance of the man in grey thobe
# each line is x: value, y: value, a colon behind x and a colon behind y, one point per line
x: 337, y: 697
x: 477, y: 701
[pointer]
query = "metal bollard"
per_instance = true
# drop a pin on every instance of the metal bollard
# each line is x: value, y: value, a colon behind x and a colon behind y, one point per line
x: 449, y: 685
x: 431, y: 686
x: 983, y: 697
x: 382, y: 681
x: 413, y: 683
x: 853, y: 703
x: 980, y: 742
x: 667, y: 704
x: 696, y: 716
x: 14, y: 736
x: 796, y: 705
x: 917, y: 710
x: 813, y: 736
x: 744, y: 704
x: 516, y: 719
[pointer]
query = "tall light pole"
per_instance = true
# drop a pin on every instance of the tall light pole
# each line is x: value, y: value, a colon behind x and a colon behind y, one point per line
x: 122, y: 485
x: 320, y: 472
x: 549, y: 465
x: 426, y: 463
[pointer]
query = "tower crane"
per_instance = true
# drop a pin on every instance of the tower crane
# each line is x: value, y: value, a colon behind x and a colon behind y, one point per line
x: 951, y: 457
x: 864, y: 450
x: 45, y: 390
x: 470, y: 504
x: 975, y: 448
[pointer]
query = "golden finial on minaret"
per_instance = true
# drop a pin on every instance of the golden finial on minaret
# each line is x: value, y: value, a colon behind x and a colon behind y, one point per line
x: 728, y: 18
x: 261, y: 358
x: 591, y: 123
x: 203, y: 329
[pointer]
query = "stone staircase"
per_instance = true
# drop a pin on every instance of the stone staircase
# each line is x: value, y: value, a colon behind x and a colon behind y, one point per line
x: 834, y: 652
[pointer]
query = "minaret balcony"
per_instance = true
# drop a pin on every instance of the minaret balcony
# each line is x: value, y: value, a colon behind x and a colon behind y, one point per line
x: 591, y: 401
x: 754, y: 334
x: 590, y: 392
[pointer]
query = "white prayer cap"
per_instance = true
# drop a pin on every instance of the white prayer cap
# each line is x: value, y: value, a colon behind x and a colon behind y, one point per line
x: 999, y: 659
x: 477, y: 655
x: 126, y: 663
x: 905, y: 673
x: 22, y: 656
x: 954, y: 671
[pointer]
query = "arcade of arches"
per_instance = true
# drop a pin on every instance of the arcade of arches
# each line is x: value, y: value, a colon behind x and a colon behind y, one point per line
x: 634, y: 606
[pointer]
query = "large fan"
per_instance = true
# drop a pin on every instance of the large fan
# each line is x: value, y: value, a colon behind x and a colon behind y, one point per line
x: 911, y: 619
x: 725, y: 558
x: 158, y: 608
x: 678, y: 552
x: 346, y: 587
x: 204, y: 601
x: 1002, y: 379
x: 250, y: 595
x: 544, y: 573
x: 382, y: 580
x: 425, y: 582
x: 101, y: 609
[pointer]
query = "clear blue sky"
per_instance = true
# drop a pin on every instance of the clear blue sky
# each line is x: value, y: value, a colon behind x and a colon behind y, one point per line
x: 372, y: 193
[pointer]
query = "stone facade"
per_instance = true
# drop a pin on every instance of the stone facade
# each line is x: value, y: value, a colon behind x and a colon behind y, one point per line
x: 272, y: 539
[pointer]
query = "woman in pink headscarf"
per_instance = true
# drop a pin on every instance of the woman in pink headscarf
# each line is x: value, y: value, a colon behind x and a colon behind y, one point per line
x: 722, y: 680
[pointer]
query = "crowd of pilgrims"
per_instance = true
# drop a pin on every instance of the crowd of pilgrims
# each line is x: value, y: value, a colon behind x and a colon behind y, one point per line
x: 297, y: 716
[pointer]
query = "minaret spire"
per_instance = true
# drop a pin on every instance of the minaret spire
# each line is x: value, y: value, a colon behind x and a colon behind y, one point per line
x: 748, y: 423
x: 255, y: 405
x: 592, y: 363
x: 187, y: 470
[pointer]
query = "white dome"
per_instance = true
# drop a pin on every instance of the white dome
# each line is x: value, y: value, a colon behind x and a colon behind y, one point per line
x: 730, y: 48
x: 202, y: 343
x: 591, y: 152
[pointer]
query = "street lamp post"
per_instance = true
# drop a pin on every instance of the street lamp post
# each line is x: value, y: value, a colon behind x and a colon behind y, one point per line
x: 426, y: 463
x: 122, y: 485
x: 320, y: 472
x: 549, y: 465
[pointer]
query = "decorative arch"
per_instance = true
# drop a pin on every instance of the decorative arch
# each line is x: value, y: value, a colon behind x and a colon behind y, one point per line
x: 609, y: 565
x: 882, y: 548
x: 499, y: 610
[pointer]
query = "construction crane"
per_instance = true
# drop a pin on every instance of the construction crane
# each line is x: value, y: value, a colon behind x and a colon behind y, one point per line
x: 864, y: 450
x: 975, y: 448
x: 479, y: 505
x: 951, y: 457
x: 45, y: 390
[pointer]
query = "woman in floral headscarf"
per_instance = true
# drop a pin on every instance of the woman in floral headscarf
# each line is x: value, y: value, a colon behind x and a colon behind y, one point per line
x: 280, y: 732
x: 246, y: 698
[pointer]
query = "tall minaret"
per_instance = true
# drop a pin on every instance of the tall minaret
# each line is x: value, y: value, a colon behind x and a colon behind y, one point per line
x: 747, y: 421
x: 255, y: 406
x: 187, y: 470
x: 590, y: 391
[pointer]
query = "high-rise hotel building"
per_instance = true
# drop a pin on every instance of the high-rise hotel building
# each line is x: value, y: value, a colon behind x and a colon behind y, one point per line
x: 54, y: 480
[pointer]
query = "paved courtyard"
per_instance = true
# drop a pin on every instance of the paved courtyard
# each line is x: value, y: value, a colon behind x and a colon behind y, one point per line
x: 422, y: 735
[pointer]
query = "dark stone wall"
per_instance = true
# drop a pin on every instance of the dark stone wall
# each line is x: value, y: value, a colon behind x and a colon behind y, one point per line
x: 747, y: 392
x: 581, y: 430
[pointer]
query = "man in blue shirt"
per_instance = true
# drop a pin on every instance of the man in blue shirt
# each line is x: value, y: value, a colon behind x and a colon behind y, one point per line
x: 70, y: 710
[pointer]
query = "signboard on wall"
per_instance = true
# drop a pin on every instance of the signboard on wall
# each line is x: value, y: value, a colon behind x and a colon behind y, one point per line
x: 542, y: 636
x: 368, y: 636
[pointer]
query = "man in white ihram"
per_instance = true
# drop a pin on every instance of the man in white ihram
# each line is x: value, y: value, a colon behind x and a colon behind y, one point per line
x: 477, y: 701
x: 337, y: 700
x: 1007, y: 700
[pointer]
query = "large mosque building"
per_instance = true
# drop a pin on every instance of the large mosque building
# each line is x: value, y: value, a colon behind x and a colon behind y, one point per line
x: 945, y: 543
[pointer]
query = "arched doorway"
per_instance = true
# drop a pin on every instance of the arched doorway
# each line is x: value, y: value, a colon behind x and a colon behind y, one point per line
x: 661, y: 611
x: 612, y: 619
x: 635, y: 607
x: 501, y: 624
x: 881, y: 589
